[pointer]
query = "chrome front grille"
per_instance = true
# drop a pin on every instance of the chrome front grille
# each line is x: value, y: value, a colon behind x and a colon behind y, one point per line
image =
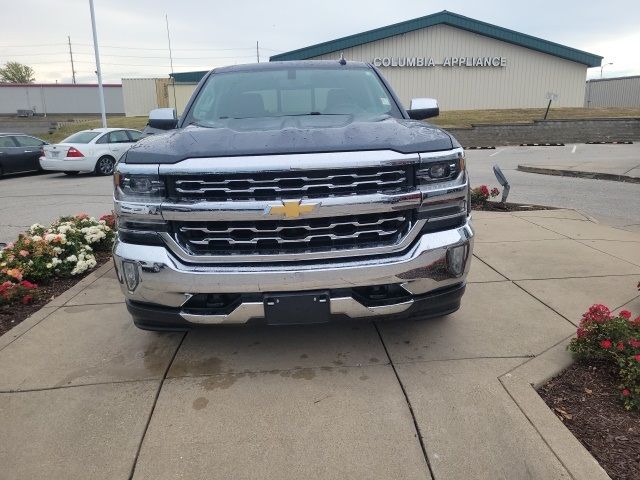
x: 267, y: 237
x: 290, y: 184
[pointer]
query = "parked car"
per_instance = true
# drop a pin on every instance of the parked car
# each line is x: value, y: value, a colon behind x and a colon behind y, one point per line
x: 96, y: 150
x: 19, y: 153
x: 292, y: 192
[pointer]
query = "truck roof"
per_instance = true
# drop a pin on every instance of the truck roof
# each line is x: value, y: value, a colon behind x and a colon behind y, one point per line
x: 290, y: 64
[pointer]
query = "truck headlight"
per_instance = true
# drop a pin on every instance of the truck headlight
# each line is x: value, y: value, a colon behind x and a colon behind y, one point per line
x: 129, y: 185
x: 438, y: 171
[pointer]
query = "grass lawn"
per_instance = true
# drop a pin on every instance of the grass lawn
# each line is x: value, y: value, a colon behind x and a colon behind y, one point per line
x: 137, y: 123
x: 450, y: 119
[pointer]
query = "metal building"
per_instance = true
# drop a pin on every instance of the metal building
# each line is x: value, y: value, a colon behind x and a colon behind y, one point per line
x: 613, y: 92
x: 141, y: 95
x: 464, y: 63
x: 54, y: 98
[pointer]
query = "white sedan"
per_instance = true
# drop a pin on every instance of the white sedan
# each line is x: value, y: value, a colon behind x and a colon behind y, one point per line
x: 96, y: 150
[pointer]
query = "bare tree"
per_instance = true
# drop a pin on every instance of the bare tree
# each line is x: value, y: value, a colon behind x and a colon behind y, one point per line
x: 14, y: 72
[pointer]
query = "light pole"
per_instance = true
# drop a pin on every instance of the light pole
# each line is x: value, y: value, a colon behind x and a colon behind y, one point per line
x: 602, y: 67
x: 98, y: 71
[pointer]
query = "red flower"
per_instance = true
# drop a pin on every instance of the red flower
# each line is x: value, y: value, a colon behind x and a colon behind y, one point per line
x: 484, y: 190
x: 28, y: 284
x: 597, y: 313
x: 606, y: 344
x: 634, y: 342
x: 620, y: 346
x: 109, y: 220
x: 637, y: 357
x: 625, y: 392
x: 581, y: 332
x: 27, y: 299
x: 625, y: 314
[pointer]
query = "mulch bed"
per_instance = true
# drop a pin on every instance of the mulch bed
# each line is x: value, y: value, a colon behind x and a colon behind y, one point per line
x: 12, y: 315
x: 508, y: 207
x: 585, y: 397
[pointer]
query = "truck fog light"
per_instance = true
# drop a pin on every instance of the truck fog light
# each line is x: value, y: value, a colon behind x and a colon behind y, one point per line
x: 456, y: 259
x: 131, y: 276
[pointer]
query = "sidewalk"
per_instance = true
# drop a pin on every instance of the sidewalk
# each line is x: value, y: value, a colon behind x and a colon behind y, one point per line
x: 84, y: 394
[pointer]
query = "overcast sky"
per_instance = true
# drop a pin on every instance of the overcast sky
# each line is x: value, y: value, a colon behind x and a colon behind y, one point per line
x: 204, y: 34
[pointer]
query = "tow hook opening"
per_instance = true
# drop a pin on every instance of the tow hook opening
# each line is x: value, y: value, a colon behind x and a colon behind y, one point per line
x: 379, y: 295
x: 213, y: 303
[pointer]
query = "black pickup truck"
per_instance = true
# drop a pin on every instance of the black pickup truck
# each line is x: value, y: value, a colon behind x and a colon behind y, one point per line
x: 292, y: 192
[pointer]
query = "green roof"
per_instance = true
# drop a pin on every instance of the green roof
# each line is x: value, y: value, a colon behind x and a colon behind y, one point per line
x: 188, y: 77
x: 444, y: 18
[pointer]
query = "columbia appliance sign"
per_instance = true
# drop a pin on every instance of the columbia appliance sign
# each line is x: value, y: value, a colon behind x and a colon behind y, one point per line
x: 447, y: 62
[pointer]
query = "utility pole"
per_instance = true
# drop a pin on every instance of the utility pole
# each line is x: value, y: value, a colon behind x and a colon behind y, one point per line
x: 257, y: 52
x: 98, y: 70
x: 73, y: 70
x: 173, y: 78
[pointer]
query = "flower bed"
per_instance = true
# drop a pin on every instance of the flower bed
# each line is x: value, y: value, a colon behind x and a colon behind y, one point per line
x: 481, y: 200
x: 614, y: 339
x: 598, y: 398
x: 45, y: 259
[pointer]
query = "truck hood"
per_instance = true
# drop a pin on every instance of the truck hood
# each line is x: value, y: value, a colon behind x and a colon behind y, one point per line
x: 290, y: 134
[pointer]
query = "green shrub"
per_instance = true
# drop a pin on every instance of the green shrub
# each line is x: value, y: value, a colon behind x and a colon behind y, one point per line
x: 614, y: 338
x: 63, y: 249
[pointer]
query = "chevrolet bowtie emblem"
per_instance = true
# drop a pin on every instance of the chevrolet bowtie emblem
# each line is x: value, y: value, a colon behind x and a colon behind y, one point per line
x: 291, y: 208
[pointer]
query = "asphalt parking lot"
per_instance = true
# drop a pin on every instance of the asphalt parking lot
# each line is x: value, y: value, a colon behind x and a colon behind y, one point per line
x: 612, y: 203
x: 27, y: 199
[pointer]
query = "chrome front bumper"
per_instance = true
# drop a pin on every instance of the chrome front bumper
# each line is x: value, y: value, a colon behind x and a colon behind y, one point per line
x: 165, y: 281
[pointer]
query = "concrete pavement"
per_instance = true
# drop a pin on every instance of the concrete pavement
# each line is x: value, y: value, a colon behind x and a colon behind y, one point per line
x: 83, y: 394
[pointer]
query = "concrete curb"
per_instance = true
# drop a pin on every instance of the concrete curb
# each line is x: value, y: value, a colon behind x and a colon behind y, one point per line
x: 579, y: 174
x: 50, y: 307
x: 521, y: 384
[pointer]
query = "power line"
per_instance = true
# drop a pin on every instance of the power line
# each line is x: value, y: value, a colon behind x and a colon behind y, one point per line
x: 34, y: 45
x: 129, y: 56
x: 136, y: 48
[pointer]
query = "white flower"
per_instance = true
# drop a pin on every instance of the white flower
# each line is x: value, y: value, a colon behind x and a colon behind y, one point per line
x: 36, y: 238
x: 71, y: 258
x: 49, y: 265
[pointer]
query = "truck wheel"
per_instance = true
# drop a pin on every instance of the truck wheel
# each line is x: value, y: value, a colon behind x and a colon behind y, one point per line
x: 104, y: 166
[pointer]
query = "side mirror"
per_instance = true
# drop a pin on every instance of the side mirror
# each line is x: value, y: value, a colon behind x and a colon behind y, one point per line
x: 422, y: 108
x: 163, y: 119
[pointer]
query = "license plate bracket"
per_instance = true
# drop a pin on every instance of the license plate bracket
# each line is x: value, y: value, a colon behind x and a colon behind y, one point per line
x: 297, y: 308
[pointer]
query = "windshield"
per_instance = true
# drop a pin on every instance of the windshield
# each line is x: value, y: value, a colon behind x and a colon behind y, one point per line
x: 290, y: 91
x: 81, y: 137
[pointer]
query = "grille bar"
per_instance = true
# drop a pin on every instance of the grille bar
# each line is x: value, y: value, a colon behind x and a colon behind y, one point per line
x: 293, y: 236
x: 282, y: 185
